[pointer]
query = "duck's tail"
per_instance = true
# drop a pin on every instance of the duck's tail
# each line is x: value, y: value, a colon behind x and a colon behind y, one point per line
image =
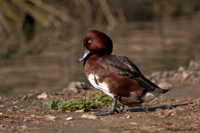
x: 158, y: 91
x: 165, y: 90
x: 151, y: 95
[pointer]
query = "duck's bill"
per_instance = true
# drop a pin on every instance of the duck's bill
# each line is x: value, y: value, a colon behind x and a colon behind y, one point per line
x: 85, y: 53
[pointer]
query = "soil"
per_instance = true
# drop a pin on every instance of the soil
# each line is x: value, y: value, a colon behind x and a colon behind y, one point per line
x: 176, y: 111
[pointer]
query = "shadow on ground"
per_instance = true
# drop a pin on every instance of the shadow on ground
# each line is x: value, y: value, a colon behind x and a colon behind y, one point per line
x: 151, y: 109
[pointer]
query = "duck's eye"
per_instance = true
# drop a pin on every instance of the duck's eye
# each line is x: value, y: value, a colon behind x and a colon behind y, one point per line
x: 89, y: 41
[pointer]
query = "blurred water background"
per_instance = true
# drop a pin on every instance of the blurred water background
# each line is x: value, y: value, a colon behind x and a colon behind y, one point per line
x: 41, y: 40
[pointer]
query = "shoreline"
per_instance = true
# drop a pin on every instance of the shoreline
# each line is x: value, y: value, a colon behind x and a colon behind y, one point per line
x: 177, y: 110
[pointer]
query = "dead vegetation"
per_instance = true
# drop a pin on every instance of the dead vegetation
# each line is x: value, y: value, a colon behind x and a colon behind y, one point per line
x: 183, y: 117
x: 23, y: 22
x: 16, y: 15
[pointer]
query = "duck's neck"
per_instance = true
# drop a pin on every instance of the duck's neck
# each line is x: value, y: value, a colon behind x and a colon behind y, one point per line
x: 91, y: 57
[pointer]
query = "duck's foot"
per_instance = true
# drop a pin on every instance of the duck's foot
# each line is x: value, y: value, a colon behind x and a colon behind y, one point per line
x: 112, y: 111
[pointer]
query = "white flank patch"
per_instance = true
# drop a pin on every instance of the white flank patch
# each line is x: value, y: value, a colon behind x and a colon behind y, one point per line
x: 148, y: 97
x: 101, y: 86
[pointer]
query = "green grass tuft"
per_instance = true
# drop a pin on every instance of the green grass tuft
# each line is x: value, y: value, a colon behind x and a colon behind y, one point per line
x: 90, y: 101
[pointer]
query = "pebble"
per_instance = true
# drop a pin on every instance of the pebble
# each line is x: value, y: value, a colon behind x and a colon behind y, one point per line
x: 24, y: 127
x: 79, y: 111
x: 50, y: 117
x: 1, y: 106
x: 134, y: 123
x: 165, y: 85
x: 75, y: 87
x: 42, y: 96
x: 128, y: 116
x: 185, y: 75
x: 181, y: 68
x: 14, y: 102
x: 66, y: 123
x: 2, y: 125
x: 22, y: 110
x: 89, y: 116
x: 69, y: 118
x: 39, y: 117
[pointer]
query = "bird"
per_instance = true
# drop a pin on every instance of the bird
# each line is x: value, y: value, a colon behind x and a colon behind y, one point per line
x: 115, y: 75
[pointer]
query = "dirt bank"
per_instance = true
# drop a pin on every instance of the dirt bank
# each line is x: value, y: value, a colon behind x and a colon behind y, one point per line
x: 176, y: 111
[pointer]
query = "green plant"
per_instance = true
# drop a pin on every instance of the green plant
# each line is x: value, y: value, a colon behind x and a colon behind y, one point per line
x: 90, y: 101
x: 162, y: 99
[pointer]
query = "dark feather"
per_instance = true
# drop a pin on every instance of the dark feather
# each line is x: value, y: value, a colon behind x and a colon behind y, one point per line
x: 122, y: 66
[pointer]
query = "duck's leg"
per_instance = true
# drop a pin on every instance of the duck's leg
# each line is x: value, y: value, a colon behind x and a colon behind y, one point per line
x: 109, y: 112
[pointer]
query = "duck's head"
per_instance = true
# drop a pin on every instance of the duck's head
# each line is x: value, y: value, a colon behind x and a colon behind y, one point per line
x: 96, y: 42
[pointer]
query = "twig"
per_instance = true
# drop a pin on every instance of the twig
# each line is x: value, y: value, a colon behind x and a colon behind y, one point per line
x: 34, y: 13
x: 8, y: 10
x: 111, y: 20
x: 6, y: 24
x: 66, y: 18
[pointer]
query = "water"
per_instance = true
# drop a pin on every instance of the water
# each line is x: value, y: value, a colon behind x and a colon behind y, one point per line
x: 152, y: 46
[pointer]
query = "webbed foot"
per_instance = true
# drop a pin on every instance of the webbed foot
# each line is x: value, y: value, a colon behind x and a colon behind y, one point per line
x: 113, y: 109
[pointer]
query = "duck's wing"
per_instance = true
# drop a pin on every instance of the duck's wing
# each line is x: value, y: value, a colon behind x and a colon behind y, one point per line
x: 122, y: 66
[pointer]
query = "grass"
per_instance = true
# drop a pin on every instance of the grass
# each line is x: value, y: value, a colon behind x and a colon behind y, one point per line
x: 162, y: 99
x: 88, y: 102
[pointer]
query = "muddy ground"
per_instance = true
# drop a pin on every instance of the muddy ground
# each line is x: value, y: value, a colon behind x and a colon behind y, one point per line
x: 176, y: 111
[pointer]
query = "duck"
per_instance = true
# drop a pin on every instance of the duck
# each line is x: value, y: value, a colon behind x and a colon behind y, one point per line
x: 115, y: 75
